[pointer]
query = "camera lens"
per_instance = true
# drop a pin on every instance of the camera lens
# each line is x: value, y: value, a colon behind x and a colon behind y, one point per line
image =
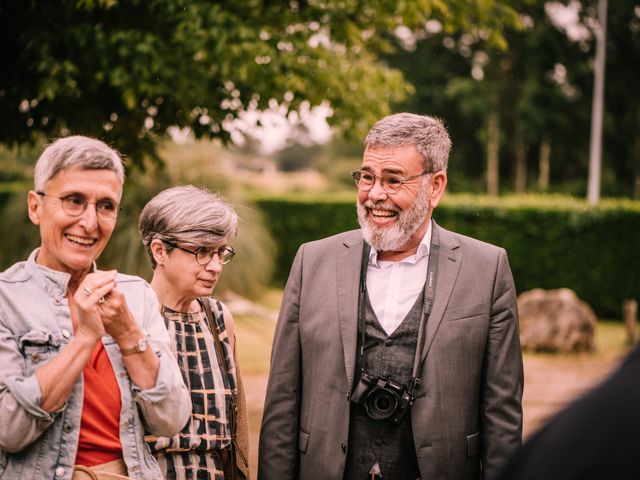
x: 381, y: 404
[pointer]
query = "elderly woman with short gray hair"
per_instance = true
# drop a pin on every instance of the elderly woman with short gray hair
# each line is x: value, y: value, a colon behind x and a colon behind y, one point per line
x: 85, y: 356
x: 187, y: 231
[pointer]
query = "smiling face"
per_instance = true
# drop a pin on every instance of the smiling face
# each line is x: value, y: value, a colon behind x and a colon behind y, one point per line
x: 397, y: 222
x: 71, y: 244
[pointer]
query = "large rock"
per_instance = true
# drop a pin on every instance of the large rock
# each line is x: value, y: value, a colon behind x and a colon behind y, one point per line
x: 555, y: 321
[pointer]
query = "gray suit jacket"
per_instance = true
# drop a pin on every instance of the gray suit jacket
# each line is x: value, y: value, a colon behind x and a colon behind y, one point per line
x: 467, y: 417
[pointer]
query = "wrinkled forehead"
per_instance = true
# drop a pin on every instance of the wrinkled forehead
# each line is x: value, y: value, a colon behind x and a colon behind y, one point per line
x: 102, y: 182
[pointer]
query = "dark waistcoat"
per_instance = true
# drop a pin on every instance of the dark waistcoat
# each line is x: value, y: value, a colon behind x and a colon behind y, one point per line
x: 391, y: 445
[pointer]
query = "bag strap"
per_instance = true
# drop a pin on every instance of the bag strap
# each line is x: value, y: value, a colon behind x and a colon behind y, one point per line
x: 222, y: 361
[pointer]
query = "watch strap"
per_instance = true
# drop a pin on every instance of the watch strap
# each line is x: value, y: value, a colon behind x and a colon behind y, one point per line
x: 125, y: 352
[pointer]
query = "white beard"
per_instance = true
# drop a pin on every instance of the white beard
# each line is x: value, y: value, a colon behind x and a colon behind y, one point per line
x: 398, y: 234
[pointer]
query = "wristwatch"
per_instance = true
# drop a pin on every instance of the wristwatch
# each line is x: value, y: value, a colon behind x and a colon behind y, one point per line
x: 140, y: 346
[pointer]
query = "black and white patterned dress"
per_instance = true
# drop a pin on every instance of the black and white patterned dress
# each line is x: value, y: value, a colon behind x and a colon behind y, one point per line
x: 193, y: 453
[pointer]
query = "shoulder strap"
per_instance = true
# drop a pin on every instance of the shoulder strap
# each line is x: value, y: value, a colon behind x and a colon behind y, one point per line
x: 215, y: 332
x: 222, y: 361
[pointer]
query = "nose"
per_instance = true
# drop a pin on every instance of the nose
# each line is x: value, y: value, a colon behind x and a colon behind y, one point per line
x: 89, y: 218
x: 377, y: 192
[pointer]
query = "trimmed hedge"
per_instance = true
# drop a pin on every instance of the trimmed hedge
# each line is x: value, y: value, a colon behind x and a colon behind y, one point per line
x: 552, y: 242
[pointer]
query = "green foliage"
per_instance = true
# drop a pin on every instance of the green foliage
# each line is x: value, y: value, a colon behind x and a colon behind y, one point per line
x: 542, y: 85
x: 552, y: 242
x: 293, y: 221
x: 124, y: 71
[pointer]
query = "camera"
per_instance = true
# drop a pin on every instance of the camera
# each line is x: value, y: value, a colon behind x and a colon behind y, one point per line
x: 382, y: 398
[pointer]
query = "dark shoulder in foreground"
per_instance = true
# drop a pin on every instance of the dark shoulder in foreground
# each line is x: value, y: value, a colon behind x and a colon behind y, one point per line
x: 595, y: 437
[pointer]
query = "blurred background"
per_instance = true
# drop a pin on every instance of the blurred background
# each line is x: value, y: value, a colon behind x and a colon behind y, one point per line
x: 268, y: 103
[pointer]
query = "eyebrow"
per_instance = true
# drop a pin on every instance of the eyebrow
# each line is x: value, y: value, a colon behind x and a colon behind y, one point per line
x: 80, y: 194
x: 391, y: 171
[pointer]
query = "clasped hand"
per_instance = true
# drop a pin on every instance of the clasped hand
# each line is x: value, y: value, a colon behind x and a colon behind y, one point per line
x: 102, y: 308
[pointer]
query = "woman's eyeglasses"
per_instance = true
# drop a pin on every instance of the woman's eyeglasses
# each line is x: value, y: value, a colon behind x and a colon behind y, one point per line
x: 204, y: 255
x: 75, y: 205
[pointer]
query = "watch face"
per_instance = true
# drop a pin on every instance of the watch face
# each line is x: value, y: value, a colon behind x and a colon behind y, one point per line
x: 142, y: 345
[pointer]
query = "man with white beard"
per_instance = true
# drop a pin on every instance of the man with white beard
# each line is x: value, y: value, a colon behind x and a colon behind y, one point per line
x: 396, y: 354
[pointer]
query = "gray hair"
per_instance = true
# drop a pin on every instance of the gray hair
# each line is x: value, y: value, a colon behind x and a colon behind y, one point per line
x: 187, y: 214
x: 428, y: 134
x: 76, y: 150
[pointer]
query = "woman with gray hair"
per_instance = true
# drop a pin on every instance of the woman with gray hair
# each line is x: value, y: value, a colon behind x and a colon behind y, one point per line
x: 85, y: 356
x: 187, y: 231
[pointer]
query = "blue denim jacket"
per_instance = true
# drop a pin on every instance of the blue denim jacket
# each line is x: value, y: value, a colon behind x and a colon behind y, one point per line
x: 35, y: 325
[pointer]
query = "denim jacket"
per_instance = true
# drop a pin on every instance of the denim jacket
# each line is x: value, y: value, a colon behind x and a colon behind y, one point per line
x: 35, y: 325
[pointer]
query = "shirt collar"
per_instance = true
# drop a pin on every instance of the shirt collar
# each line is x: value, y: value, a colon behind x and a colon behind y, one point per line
x: 423, y: 250
x: 53, y: 281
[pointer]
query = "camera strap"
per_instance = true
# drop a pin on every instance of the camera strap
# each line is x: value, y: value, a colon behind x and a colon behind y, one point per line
x: 427, y: 305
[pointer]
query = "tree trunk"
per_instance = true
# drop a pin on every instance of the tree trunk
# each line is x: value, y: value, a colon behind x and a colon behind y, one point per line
x: 544, y: 164
x: 493, y: 142
x: 636, y: 156
x: 521, y: 161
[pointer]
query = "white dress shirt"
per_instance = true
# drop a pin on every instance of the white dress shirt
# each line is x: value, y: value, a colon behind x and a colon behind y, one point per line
x: 393, y: 287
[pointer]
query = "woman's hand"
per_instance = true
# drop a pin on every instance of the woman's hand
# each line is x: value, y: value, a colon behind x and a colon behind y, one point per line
x: 117, y: 319
x: 89, y: 299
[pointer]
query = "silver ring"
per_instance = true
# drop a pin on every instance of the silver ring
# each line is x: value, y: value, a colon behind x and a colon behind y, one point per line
x: 101, y: 300
x: 87, y: 291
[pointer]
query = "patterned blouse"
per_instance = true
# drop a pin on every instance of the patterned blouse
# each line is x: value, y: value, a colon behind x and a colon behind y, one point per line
x: 193, y: 453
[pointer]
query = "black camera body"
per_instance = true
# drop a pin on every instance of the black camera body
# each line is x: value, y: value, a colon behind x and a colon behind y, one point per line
x: 382, y: 398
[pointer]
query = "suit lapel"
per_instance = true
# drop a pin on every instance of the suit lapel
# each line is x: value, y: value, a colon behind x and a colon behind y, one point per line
x: 349, y: 261
x: 449, y: 261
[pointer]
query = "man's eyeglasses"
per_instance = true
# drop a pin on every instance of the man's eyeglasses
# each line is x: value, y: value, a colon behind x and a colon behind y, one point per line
x: 204, y: 255
x: 390, y: 183
x: 75, y: 204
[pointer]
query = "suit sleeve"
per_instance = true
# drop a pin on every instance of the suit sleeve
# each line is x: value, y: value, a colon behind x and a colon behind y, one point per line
x: 501, y: 414
x: 278, y: 454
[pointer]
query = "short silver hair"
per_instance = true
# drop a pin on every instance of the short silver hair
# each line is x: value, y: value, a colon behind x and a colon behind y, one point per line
x: 187, y: 214
x: 76, y: 150
x: 428, y: 134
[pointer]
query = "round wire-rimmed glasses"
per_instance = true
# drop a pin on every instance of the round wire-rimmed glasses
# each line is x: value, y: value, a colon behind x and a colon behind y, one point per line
x: 204, y: 255
x: 75, y: 205
x: 365, y: 180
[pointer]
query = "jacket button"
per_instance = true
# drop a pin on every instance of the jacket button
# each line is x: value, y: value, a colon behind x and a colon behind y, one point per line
x: 59, y: 472
x: 65, y: 333
x: 67, y: 428
x: 388, y: 342
x: 378, y: 441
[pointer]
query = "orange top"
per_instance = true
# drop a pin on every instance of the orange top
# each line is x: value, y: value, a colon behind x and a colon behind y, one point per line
x: 100, y: 423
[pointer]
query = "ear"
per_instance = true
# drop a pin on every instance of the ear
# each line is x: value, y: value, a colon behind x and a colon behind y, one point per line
x: 33, y: 207
x: 158, y: 251
x: 438, y: 186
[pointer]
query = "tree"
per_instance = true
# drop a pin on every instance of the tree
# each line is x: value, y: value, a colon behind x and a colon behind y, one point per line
x: 128, y: 70
x: 528, y: 101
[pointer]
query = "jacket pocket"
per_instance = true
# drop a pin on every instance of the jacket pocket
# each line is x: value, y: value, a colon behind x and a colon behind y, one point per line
x: 303, y: 441
x: 473, y: 445
x: 37, y: 346
x: 466, y: 311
